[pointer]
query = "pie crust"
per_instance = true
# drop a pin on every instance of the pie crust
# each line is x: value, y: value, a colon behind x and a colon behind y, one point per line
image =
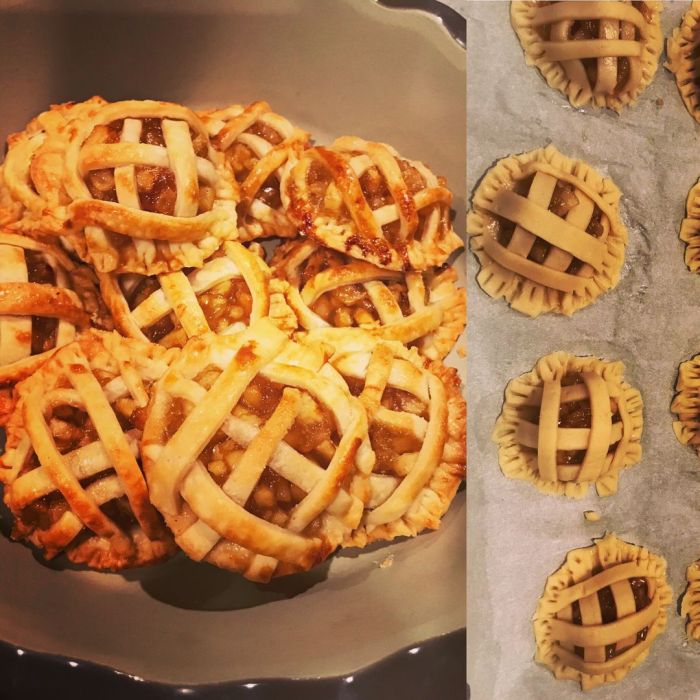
x: 256, y: 454
x: 417, y: 429
x: 148, y: 192
x: 366, y: 200
x: 690, y: 229
x: 334, y: 297
x: 547, y: 232
x: 569, y: 423
x: 230, y: 291
x: 609, y: 595
x: 71, y: 470
x: 257, y: 144
x: 681, y: 52
x: 686, y: 404
x: 600, y: 53
x: 690, y: 606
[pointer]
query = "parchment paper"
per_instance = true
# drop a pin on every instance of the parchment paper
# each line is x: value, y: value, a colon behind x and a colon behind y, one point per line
x: 651, y: 321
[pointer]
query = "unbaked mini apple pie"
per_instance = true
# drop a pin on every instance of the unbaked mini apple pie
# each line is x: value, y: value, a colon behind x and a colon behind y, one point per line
x: 601, y: 611
x: 72, y: 473
x: 547, y: 232
x: 364, y: 199
x: 601, y: 53
x: 334, y: 296
x: 682, y: 51
x: 255, y: 453
x: 569, y: 423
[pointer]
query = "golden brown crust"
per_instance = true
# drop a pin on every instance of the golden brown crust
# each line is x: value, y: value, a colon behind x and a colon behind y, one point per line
x: 618, y: 567
x: 690, y: 606
x: 544, y: 31
x: 542, y: 441
x: 584, y: 256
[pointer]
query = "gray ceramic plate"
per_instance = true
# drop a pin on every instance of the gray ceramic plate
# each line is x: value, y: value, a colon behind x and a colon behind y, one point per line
x: 343, y: 67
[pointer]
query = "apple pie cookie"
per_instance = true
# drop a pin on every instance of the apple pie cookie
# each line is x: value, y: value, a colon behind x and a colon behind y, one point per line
x: 366, y: 200
x: 334, y: 296
x: 686, y: 404
x: 547, y: 232
x: 256, y: 454
x: 682, y: 53
x: 71, y: 470
x: 601, y: 611
x: 229, y: 292
x: 599, y: 53
x: 690, y: 229
x: 417, y: 429
x: 258, y: 144
x: 569, y: 423
x: 148, y: 192
x: 690, y: 606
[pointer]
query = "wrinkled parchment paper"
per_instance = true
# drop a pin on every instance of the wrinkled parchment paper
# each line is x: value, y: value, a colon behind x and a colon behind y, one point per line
x: 651, y: 321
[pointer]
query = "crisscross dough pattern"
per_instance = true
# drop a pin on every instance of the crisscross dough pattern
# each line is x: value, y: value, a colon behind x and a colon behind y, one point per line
x: 216, y: 520
x: 199, y: 301
x: 258, y: 144
x: 681, y: 51
x: 430, y: 311
x: 417, y: 430
x: 571, y: 422
x: 583, y: 257
x: 78, y: 487
x: 601, y: 611
x: 120, y: 235
x: 600, y: 53
x: 364, y: 199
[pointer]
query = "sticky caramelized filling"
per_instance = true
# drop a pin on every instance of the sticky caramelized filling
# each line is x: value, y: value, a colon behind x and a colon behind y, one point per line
x: 563, y: 200
x: 44, y: 328
x: 156, y: 186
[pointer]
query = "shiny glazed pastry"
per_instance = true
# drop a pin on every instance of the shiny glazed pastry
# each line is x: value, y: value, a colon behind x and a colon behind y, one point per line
x: 148, y: 193
x: 601, y: 611
x: 364, y: 199
x: 335, y: 296
x: 682, y: 51
x: 257, y: 144
x: 569, y: 423
x: 417, y: 429
x: 229, y: 292
x: 256, y: 454
x: 71, y: 470
x: 547, y: 232
x: 599, y: 53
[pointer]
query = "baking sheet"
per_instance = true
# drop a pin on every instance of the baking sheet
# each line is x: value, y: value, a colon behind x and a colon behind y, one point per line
x: 651, y: 321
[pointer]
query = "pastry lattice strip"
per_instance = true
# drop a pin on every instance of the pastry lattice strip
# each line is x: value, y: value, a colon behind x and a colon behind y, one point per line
x: 567, y: 237
x: 617, y: 26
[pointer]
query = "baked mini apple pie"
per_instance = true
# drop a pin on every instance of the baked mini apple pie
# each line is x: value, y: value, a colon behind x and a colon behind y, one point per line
x: 258, y: 144
x: 569, y: 423
x: 255, y: 453
x: 334, y: 296
x: 417, y: 429
x: 229, y: 292
x: 148, y: 193
x: 547, y: 232
x: 601, y: 611
x: 44, y: 300
x: 599, y: 53
x: 366, y: 200
x: 71, y: 470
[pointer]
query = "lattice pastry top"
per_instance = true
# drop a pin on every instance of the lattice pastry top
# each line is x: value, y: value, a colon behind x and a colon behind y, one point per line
x: 601, y: 611
x: 366, y: 200
x: 34, y: 168
x: 71, y: 470
x: 417, y: 429
x: 44, y: 299
x: 547, y: 232
x: 602, y: 53
x: 334, y: 296
x: 229, y: 292
x: 682, y: 51
x: 570, y: 422
x: 148, y: 192
x: 258, y: 144
x: 256, y: 454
